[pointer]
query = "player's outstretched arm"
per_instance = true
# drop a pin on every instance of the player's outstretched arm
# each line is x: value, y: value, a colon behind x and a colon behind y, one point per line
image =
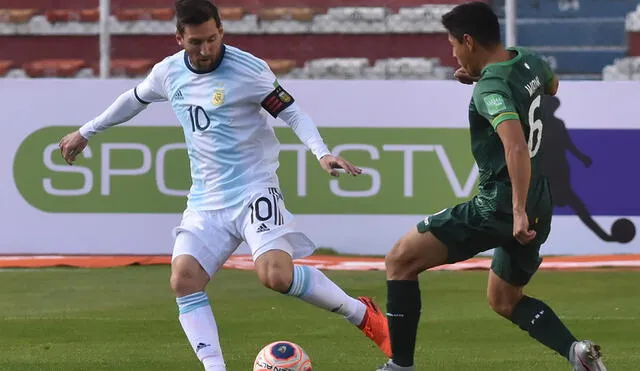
x: 280, y: 104
x: 307, y: 132
x: 123, y: 109
x: 519, y: 166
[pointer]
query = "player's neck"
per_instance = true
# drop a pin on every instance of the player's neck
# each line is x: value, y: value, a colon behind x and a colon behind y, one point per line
x: 497, y: 55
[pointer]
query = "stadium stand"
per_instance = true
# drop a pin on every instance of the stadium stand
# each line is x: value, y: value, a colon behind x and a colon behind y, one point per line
x: 578, y: 37
x: 310, y: 39
x: 627, y: 68
x: 633, y: 32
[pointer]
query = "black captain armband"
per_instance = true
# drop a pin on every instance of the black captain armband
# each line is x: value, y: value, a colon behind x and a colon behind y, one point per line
x: 277, y: 101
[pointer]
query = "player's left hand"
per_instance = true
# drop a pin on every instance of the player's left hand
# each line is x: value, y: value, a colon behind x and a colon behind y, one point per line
x: 331, y: 163
x: 521, y: 230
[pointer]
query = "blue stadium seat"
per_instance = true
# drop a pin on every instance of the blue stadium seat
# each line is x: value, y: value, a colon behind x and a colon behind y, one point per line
x: 555, y: 8
x: 580, y: 60
x: 581, y: 32
x: 579, y: 37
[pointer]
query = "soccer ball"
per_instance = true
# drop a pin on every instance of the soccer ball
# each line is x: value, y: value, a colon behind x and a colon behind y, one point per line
x: 282, y: 356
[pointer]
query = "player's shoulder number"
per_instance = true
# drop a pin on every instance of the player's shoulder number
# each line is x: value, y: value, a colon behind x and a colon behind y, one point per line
x: 494, y: 104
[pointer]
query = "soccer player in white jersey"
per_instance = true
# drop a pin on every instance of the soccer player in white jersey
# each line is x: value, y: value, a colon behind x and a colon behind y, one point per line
x: 217, y: 93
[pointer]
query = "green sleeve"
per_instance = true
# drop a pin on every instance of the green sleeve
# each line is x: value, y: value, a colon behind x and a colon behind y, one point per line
x: 493, y: 100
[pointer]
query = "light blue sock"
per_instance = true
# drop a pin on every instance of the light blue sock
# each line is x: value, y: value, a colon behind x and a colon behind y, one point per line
x: 300, y: 282
x: 312, y: 286
x: 191, y: 302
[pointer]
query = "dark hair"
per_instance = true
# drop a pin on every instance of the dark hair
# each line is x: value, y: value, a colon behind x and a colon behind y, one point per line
x: 476, y: 19
x: 195, y: 12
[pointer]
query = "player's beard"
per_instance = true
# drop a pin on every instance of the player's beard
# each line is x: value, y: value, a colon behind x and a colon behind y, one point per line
x: 204, y: 63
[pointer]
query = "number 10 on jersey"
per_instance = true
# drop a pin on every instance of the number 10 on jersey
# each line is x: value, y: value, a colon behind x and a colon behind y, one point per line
x: 199, y: 119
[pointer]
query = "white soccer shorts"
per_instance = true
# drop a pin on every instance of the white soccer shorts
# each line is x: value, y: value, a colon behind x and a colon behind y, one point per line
x: 260, y: 221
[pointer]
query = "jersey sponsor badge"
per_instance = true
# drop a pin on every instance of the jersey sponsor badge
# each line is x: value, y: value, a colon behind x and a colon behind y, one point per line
x: 277, y: 101
x: 495, y: 103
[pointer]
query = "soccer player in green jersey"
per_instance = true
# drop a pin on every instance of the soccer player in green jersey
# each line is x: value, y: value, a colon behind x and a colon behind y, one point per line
x: 512, y: 209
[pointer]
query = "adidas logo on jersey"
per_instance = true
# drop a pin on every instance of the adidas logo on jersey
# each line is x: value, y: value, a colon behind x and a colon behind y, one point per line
x: 178, y: 95
x: 262, y: 228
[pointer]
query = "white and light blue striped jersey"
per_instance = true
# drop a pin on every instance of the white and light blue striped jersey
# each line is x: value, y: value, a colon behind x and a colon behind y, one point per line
x: 231, y: 147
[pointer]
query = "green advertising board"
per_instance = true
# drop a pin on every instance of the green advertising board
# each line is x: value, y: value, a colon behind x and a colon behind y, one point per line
x: 134, y: 169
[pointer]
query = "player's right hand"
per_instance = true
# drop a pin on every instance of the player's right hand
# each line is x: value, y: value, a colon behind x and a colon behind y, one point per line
x: 330, y: 163
x: 71, y: 146
x: 521, y: 230
x: 464, y: 77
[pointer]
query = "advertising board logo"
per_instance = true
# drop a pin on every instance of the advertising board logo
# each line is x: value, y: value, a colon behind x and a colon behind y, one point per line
x: 134, y: 169
x: 564, y: 155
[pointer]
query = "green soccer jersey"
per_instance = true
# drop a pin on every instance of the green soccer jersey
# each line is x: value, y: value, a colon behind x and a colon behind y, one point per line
x: 510, y: 90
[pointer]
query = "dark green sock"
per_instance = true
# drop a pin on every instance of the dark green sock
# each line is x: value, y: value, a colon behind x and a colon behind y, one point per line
x: 535, y: 317
x: 403, y: 314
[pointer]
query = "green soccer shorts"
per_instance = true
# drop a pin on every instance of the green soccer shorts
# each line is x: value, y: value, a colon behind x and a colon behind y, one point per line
x: 471, y: 228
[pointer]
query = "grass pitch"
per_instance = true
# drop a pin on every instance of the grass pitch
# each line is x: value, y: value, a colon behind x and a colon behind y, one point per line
x: 126, y: 319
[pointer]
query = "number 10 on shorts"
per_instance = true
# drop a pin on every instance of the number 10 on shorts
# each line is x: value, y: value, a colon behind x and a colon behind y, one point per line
x: 266, y: 208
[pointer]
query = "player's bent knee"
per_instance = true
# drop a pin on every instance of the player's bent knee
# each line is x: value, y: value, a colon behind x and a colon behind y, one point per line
x: 278, y: 280
x: 413, y: 254
x: 503, y: 301
x: 186, y: 277
x: 275, y: 270
x: 502, y: 296
x: 400, y: 262
x: 502, y: 307
x: 186, y: 283
x: 397, y: 257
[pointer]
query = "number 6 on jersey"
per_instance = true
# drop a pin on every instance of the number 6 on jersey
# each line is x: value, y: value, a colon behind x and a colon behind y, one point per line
x: 535, y: 128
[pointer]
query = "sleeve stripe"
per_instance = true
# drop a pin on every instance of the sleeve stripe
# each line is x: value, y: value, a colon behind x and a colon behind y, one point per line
x: 249, y: 58
x: 504, y: 117
x: 245, y: 62
x: 135, y: 93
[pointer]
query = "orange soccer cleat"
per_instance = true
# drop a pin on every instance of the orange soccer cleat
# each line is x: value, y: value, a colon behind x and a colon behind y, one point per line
x: 374, y: 325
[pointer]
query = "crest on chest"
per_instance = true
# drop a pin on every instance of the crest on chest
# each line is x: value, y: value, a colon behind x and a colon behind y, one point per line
x: 217, y: 98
